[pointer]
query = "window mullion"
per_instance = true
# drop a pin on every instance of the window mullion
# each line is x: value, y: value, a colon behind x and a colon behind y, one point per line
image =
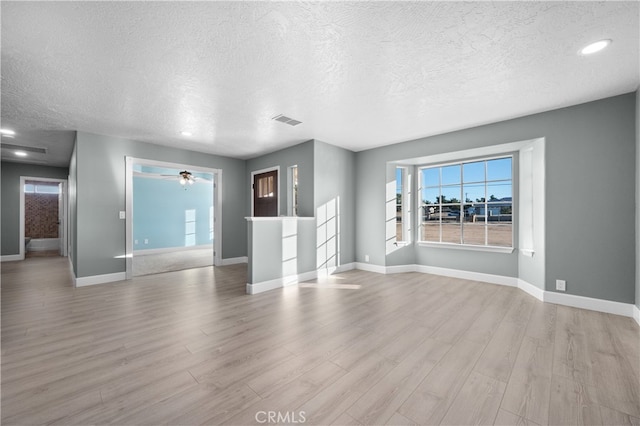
x: 486, y: 203
x: 461, y: 204
x: 440, y: 206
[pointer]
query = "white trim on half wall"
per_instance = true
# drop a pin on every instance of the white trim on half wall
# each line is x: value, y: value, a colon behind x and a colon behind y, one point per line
x: 100, y: 279
x: 234, y: 260
x: 11, y: 257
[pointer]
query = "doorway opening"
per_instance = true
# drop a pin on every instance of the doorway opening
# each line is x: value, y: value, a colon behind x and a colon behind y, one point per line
x: 43, y: 217
x: 173, y: 217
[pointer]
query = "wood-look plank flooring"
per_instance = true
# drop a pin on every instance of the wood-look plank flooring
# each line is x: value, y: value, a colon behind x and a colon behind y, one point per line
x: 190, y: 347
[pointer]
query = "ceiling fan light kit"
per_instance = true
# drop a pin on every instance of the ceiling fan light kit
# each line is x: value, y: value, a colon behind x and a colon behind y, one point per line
x: 185, y: 177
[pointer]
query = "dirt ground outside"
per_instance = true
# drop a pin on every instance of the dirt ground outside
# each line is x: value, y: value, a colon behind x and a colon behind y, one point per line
x: 474, y: 233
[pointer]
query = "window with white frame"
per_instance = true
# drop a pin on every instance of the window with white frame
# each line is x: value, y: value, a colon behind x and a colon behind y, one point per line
x: 403, y: 204
x: 292, y: 187
x: 467, y: 203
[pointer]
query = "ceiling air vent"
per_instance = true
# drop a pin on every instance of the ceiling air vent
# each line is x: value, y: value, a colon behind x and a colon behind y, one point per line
x: 287, y: 120
x: 24, y: 148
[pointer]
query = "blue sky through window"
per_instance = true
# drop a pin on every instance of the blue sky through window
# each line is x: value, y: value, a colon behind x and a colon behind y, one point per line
x: 446, y: 179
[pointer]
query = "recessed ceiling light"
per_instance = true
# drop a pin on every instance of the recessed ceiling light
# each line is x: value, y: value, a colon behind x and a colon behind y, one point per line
x: 185, y: 133
x: 595, y: 47
x: 20, y: 153
x: 7, y: 132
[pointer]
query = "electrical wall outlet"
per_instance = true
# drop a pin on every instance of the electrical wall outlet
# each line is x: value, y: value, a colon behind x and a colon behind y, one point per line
x: 561, y: 285
x: 146, y: 241
x: 366, y: 257
x: 135, y: 242
x: 122, y: 215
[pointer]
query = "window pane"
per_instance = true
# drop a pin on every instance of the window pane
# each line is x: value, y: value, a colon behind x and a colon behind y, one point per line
x: 473, y: 233
x: 499, y: 235
x: 499, y: 191
x: 473, y: 192
x: 430, y: 195
x: 451, y: 213
x: 398, y: 177
x: 474, y: 172
x: 506, y: 212
x: 399, y: 180
x: 476, y: 211
x: 265, y: 187
x: 499, y: 169
x: 451, y: 194
x: 451, y: 233
x: 430, y: 213
x: 431, y: 232
x: 431, y: 177
x: 29, y: 187
x: 451, y: 174
x: 47, y: 189
x: 468, y: 213
x: 294, y: 190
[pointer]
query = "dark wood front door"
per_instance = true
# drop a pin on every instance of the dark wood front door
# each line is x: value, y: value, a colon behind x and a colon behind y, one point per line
x: 265, y: 194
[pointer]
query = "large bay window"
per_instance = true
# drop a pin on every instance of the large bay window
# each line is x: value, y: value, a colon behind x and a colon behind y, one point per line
x: 467, y: 203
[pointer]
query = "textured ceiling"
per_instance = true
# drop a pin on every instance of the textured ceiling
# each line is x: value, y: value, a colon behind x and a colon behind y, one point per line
x: 357, y: 74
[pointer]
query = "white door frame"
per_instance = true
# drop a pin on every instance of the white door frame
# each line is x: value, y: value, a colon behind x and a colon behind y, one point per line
x: 217, y: 211
x: 64, y: 220
x: 259, y: 172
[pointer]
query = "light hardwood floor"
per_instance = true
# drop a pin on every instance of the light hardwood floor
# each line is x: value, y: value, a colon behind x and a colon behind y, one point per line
x: 190, y: 347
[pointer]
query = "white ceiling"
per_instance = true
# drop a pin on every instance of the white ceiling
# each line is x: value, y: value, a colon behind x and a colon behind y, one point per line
x: 357, y: 74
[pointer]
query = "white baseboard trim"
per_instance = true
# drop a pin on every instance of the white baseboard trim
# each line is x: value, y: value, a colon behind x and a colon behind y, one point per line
x: 295, y: 279
x: 435, y: 270
x: 100, y: 279
x: 324, y: 273
x: 600, y: 305
x: 468, y: 275
x: 344, y: 268
x: 234, y: 260
x: 11, y: 257
x: 280, y: 282
x: 371, y: 268
x: 531, y: 289
x: 142, y: 252
x: 400, y: 269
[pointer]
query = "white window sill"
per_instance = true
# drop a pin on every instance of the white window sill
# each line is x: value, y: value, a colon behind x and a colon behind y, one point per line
x: 402, y: 243
x: 489, y: 249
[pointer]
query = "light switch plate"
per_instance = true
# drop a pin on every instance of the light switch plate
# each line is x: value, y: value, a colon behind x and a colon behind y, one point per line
x: 122, y: 215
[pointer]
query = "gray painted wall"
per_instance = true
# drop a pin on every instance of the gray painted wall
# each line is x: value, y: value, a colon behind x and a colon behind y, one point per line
x: 11, y: 173
x: 334, y: 180
x: 638, y: 198
x: 590, y: 161
x: 276, y: 254
x: 301, y: 155
x: 101, y: 195
x: 326, y: 192
x: 73, y: 209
